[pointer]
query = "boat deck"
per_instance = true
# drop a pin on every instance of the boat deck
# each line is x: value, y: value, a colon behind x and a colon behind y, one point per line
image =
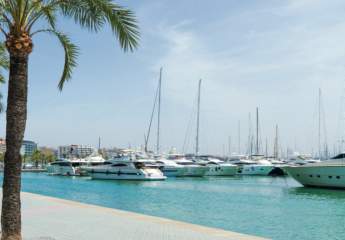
x: 47, y: 218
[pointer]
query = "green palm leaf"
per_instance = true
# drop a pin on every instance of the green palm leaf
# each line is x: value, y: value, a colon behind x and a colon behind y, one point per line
x: 4, y: 65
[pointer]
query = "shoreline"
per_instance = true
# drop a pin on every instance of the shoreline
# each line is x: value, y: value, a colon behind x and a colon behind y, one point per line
x: 55, y: 218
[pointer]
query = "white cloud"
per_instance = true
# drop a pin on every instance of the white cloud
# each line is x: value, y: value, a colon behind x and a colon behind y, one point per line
x: 278, y: 69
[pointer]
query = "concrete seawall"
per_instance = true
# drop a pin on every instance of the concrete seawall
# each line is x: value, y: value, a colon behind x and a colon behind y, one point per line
x: 47, y: 218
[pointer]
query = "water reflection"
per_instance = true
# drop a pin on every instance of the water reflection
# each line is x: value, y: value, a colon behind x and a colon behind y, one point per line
x: 317, y: 193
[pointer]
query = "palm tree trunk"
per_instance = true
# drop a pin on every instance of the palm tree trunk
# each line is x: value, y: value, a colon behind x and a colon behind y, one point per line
x: 15, y: 127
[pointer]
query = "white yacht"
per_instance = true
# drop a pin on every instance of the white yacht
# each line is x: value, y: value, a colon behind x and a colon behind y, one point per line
x: 255, y: 166
x: 192, y: 169
x: 125, y: 170
x: 261, y: 167
x: 302, y: 159
x: 217, y: 167
x: 63, y: 167
x: 94, y: 159
x: 170, y: 168
x: 329, y: 173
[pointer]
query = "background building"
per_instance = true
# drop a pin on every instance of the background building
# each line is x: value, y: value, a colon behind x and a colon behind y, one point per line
x: 28, y: 147
x: 2, y: 145
x: 74, y: 151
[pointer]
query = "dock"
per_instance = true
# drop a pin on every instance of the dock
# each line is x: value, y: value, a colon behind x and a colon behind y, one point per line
x: 48, y: 218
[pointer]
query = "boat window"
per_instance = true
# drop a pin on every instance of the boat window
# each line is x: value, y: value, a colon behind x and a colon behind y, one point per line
x: 310, y: 175
x: 64, y: 164
x: 119, y: 165
x: 338, y: 177
x: 329, y: 176
x: 139, y: 165
x: 318, y: 176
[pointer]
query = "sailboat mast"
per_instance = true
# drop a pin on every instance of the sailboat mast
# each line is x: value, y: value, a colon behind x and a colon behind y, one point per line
x: 159, y: 110
x: 319, y: 123
x: 198, y: 121
x: 276, y: 151
x: 229, y: 145
x: 266, y: 148
x: 239, y: 137
x: 257, y: 130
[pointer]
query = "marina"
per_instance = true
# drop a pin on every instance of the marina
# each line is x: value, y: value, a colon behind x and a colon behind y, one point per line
x: 269, y: 207
x: 184, y: 121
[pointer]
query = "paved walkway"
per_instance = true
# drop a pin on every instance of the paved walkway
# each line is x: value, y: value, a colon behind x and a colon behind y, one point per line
x: 46, y: 218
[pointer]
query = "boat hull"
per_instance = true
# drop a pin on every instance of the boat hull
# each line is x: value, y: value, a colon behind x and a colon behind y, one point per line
x: 61, y: 170
x: 126, y: 175
x: 318, y: 176
x: 173, y: 171
x: 194, y: 171
x: 258, y: 170
x: 219, y: 170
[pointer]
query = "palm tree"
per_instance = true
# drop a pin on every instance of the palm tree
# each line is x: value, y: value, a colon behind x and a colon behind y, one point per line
x: 18, y: 22
x: 4, y: 63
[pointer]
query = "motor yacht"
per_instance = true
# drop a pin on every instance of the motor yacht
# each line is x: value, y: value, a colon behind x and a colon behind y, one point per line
x: 94, y: 159
x: 217, y: 167
x: 192, y: 169
x: 125, y: 170
x: 63, y: 167
x: 302, y: 159
x: 328, y: 174
x: 256, y: 165
x: 170, y: 168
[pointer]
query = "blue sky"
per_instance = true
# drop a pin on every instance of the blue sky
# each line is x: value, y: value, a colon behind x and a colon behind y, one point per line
x: 274, y: 55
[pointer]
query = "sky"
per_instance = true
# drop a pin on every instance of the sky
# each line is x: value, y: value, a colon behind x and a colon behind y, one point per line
x: 274, y: 55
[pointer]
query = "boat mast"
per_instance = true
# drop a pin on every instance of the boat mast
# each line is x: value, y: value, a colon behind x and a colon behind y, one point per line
x: 276, y: 151
x: 147, y: 137
x: 198, y: 121
x: 319, y: 123
x: 229, y: 145
x: 266, y: 148
x: 257, y: 130
x: 239, y: 137
x: 159, y: 109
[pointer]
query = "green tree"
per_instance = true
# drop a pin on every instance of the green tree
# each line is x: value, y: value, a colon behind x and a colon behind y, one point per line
x: 2, y: 155
x: 19, y: 20
x: 36, y: 157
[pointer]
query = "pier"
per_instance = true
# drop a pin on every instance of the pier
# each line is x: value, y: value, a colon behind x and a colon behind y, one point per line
x: 57, y: 219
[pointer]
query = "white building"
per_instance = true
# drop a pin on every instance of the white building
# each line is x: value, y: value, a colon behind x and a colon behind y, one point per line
x: 74, y: 151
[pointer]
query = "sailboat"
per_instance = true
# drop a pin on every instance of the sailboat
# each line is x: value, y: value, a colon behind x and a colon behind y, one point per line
x: 259, y: 165
x: 214, y: 167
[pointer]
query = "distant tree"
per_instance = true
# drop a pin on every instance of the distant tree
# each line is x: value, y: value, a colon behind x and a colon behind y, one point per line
x: 2, y: 155
x: 47, y: 156
x: 36, y: 157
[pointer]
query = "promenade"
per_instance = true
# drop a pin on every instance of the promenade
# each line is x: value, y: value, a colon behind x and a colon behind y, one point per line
x: 47, y: 218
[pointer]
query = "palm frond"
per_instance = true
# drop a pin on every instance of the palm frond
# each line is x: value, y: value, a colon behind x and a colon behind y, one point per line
x: 71, y: 54
x: 4, y: 64
x: 93, y: 14
x: 1, y: 105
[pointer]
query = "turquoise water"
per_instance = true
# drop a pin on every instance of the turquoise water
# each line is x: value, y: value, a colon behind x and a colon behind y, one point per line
x: 277, y: 208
